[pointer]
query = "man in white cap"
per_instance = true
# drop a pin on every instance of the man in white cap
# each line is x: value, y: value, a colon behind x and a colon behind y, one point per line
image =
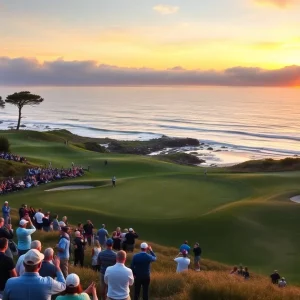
x: 140, y: 266
x: 130, y: 237
x: 20, y: 268
x: 6, y: 213
x: 119, y: 278
x: 31, y: 285
x: 24, y: 235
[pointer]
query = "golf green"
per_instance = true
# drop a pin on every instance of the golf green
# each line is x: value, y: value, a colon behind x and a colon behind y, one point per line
x: 237, y: 218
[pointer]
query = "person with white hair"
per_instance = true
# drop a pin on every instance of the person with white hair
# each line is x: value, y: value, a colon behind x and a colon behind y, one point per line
x: 48, y: 268
x: 79, y: 245
x: 20, y: 266
x: 31, y: 285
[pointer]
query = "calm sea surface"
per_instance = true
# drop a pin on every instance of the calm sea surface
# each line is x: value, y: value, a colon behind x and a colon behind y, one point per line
x: 258, y: 120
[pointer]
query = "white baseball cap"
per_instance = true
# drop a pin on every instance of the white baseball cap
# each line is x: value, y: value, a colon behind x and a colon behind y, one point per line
x: 144, y: 245
x: 5, y: 202
x: 23, y: 222
x: 72, y: 280
x: 33, y: 257
x: 130, y: 229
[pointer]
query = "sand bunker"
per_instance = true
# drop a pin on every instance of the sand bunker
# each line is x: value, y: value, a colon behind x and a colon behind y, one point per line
x: 71, y: 187
x: 295, y: 199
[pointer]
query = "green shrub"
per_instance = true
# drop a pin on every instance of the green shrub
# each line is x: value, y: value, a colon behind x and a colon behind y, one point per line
x: 4, y: 144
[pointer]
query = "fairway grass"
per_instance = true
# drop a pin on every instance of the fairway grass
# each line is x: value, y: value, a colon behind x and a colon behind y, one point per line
x: 236, y: 218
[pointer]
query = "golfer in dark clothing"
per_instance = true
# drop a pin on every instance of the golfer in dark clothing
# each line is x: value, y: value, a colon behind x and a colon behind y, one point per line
x: 140, y: 266
x: 275, y: 277
x: 79, y: 249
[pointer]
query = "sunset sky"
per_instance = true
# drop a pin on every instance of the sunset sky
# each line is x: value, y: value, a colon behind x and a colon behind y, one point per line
x: 191, y: 34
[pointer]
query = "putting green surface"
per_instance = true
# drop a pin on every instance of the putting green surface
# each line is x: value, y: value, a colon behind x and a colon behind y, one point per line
x: 237, y: 218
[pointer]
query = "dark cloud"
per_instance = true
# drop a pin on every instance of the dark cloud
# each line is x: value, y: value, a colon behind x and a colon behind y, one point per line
x: 23, y: 71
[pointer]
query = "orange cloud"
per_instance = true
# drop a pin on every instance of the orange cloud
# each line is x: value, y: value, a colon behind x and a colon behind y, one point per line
x: 278, y: 3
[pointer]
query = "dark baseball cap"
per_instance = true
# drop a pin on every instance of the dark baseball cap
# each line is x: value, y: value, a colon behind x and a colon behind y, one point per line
x: 109, y: 242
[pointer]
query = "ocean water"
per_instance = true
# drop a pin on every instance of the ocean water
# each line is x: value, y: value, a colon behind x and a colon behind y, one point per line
x: 249, y: 122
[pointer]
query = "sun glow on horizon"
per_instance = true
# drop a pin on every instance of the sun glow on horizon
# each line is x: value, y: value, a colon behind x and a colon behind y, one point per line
x: 247, y: 33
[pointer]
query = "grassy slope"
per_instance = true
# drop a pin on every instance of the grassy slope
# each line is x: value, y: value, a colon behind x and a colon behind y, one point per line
x: 237, y: 218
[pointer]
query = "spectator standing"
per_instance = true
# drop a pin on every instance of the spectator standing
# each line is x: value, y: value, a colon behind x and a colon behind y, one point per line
x: 48, y: 268
x: 117, y: 241
x: 113, y: 181
x: 282, y: 283
x: 39, y: 219
x: 63, y: 222
x: 79, y: 228
x: 140, y: 266
x: 23, y: 211
x: 88, y: 232
x: 234, y: 271
x: 20, y: 269
x: 74, y: 290
x: 46, y: 222
x: 118, y: 279
x: 102, y: 236
x: 24, y: 235
x: 63, y: 250
x: 197, y: 256
x: 7, y: 265
x: 31, y: 285
x: 246, y: 273
x: 123, y: 239
x: 79, y: 245
x: 185, y: 246
x: 55, y: 223
x: 106, y: 258
x: 32, y: 213
x: 6, y: 231
x: 130, y: 237
x: 6, y: 213
x: 275, y: 277
x: 95, y: 253
x: 183, y: 262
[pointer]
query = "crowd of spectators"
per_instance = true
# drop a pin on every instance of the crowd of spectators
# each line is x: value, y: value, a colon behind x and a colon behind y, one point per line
x: 37, y: 176
x: 40, y: 275
x: 10, y: 156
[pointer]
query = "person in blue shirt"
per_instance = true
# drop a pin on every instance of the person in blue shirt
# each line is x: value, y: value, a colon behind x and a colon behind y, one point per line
x: 102, y: 235
x: 6, y: 213
x: 31, y: 285
x: 24, y: 235
x: 63, y: 250
x: 185, y: 247
x: 140, y: 266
